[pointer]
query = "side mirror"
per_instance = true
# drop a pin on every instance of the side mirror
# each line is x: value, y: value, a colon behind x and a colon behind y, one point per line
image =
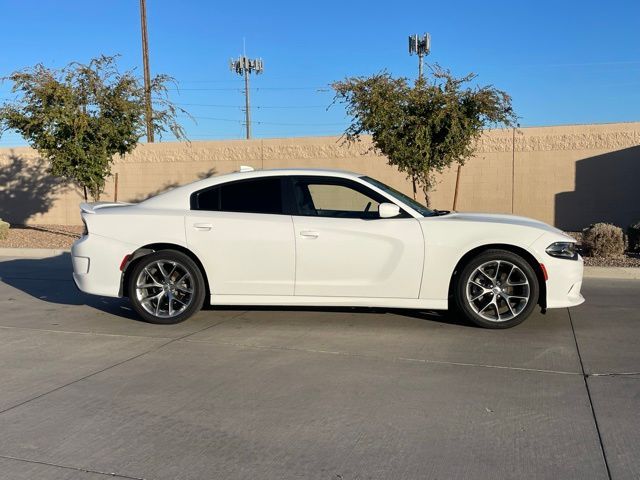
x: 388, y: 210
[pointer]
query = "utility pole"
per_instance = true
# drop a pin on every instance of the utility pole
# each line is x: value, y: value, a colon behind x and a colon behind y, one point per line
x: 245, y: 66
x: 147, y: 74
x: 420, y: 46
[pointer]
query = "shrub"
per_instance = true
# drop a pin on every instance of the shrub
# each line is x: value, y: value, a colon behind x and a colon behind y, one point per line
x: 4, y: 230
x: 603, y: 240
x: 633, y: 233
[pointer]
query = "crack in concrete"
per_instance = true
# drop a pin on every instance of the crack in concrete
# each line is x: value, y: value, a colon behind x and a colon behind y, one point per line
x: 40, y: 279
x: 157, y: 347
x: 376, y: 357
x: 586, y: 385
x: 69, y: 467
x: 74, y: 332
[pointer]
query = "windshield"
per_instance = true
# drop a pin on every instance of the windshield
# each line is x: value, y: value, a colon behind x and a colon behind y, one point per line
x: 418, y: 207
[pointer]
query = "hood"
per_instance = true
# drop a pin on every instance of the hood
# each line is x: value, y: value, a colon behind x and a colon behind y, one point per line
x: 496, y: 218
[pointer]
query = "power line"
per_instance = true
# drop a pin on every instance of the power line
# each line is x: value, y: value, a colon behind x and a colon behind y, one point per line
x: 303, y: 124
x: 266, y: 123
x: 323, y: 89
x: 213, y: 118
x: 306, y: 78
x: 255, y: 106
x: 291, y: 106
x: 209, y: 105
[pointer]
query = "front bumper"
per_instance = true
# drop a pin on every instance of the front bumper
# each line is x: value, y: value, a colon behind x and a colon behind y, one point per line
x: 564, y: 284
x: 565, y: 276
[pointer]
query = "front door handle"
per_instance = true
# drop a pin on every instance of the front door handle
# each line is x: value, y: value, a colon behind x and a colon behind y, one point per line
x: 309, y: 234
x: 203, y: 227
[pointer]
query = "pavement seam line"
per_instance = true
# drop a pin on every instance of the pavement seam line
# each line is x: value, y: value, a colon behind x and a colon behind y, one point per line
x: 69, y: 467
x: 593, y: 411
x: 155, y: 348
x: 47, y: 330
x: 403, y: 359
x: 37, y: 279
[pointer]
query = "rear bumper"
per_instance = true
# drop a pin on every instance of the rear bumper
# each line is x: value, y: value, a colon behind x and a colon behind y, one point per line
x: 96, y: 264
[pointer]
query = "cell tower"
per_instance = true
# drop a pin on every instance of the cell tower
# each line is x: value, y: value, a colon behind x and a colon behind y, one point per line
x: 244, y: 66
x: 420, y: 46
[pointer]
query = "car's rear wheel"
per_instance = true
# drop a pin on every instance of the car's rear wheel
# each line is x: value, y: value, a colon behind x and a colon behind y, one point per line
x: 497, y: 289
x: 166, y: 287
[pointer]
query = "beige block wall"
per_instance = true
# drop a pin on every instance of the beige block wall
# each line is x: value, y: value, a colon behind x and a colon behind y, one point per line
x: 568, y: 175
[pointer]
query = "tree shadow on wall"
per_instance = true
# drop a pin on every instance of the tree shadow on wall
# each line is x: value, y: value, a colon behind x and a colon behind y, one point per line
x: 607, y: 189
x: 26, y: 189
x: 171, y: 185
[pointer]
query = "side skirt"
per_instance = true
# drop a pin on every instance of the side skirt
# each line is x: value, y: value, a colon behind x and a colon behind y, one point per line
x: 307, y: 301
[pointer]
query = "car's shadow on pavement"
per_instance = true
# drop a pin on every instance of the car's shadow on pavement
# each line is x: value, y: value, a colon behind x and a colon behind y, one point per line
x: 49, y: 280
x: 442, y: 316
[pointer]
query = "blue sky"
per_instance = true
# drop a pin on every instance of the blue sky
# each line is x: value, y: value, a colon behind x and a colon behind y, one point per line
x: 563, y: 62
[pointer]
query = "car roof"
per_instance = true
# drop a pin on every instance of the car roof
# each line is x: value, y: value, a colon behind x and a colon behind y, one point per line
x: 334, y: 172
x: 179, y: 193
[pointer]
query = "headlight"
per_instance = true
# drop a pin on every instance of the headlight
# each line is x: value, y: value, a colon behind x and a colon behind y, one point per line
x: 563, y: 250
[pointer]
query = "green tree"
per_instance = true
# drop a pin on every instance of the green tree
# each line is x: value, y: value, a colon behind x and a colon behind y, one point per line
x: 80, y: 116
x: 425, y: 127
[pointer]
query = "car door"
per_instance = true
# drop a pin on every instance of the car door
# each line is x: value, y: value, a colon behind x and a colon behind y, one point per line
x: 344, y: 248
x: 244, y: 240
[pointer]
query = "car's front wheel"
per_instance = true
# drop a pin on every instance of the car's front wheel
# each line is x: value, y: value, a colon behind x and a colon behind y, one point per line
x: 166, y: 287
x: 497, y: 289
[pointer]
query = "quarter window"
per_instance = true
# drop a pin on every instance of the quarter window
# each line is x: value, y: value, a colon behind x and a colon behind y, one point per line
x: 262, y: 195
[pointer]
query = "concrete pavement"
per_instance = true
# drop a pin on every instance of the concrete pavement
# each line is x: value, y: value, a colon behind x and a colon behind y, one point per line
x: 90, y: 391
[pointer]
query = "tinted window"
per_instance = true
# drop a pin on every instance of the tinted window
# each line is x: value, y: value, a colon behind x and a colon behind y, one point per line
x: 207, y: 200
x: 262, y: 195
x: 340, y: 198
x: 335, y: 198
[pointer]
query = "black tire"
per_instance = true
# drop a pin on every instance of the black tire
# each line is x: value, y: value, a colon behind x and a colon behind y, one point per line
x: 502, y: 298
x: 186, y: 297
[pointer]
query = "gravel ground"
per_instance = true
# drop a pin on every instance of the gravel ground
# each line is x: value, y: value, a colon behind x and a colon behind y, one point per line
x: 629, y: 260
x: 62, y: 236
x: 41, y: 236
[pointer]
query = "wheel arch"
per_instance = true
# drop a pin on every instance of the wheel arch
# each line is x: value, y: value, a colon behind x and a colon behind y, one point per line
x: 156, y: 247
x: 526, y: 255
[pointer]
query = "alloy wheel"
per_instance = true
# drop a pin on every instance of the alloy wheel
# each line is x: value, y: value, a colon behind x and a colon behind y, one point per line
x: 164, y: 288
x: 498, y: 291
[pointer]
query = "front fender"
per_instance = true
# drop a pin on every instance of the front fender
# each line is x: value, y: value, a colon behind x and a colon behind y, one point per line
x: 446, y: 243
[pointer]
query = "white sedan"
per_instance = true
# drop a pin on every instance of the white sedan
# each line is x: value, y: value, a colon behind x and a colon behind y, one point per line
x: 320, y: 238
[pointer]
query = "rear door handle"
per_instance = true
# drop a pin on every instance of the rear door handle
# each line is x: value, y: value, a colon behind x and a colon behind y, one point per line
x: 203, y: 227
x: 309, y: 234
